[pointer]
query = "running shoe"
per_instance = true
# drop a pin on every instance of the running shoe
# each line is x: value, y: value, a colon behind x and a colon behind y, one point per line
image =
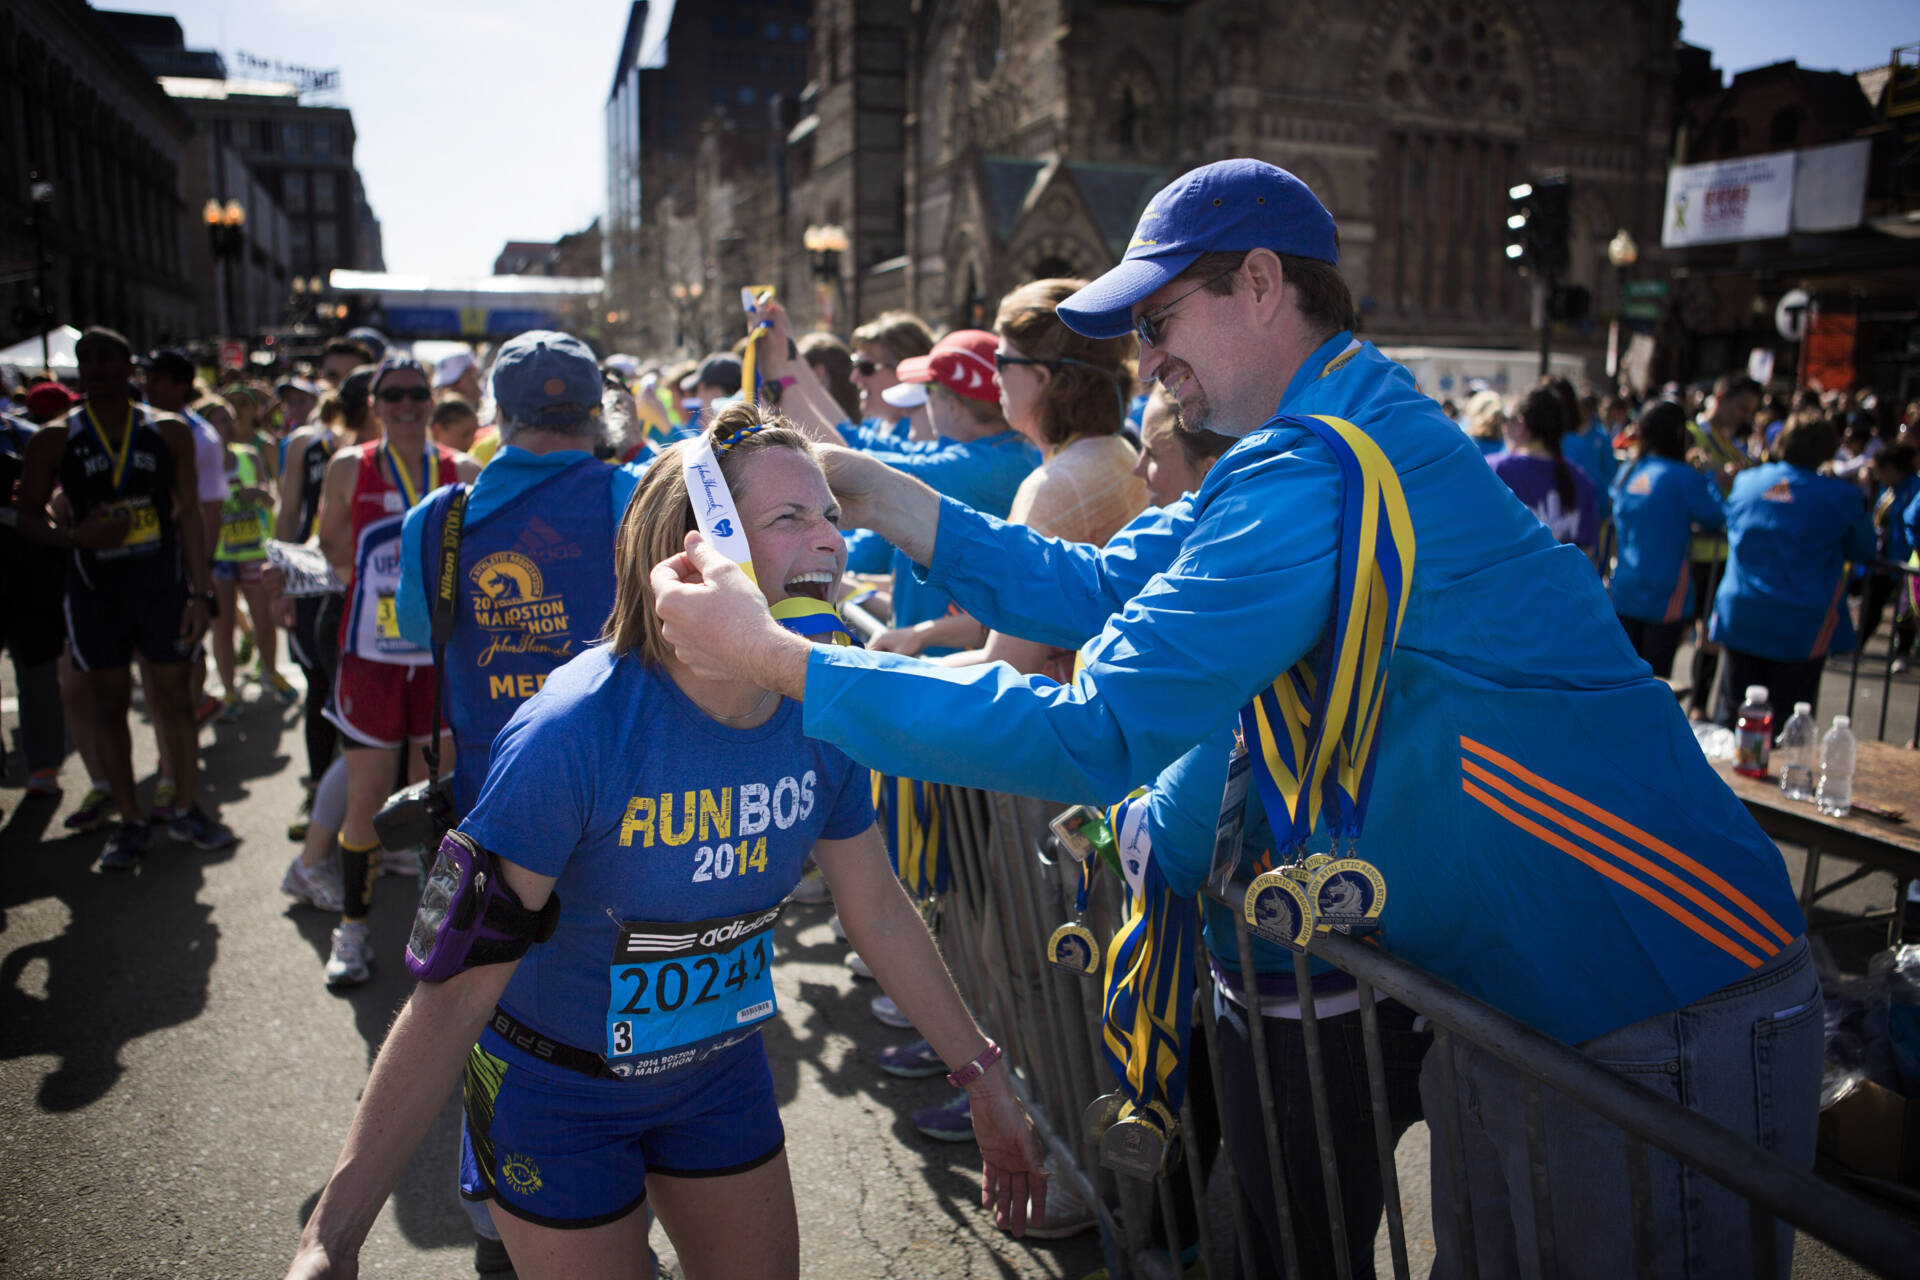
x: 43, y: 782
x: 209, y: 708
x: 858, y: 967
x: 229, y: 708
x: 194, y: 827
x: 911, y: 1061
x: 125, y: 848
x: 297, y: 829
x: 951, y: 1121
x: 165, y: 807
x: 315, y: 886
x: 812, y: 888
x: 93, y: 811
x: 889, y: 1014
x: 352, y: 960
x: 283, y: 689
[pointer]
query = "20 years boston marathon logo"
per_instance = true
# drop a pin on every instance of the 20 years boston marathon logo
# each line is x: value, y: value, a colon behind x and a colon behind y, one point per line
x: 510, y: 604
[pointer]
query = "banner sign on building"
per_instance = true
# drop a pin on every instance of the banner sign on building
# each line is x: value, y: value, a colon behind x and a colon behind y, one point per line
x: 1750, y: 199
x: 1827, y: 356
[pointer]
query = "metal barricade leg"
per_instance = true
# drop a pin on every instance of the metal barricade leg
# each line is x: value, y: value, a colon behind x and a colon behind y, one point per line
x: 1203, y: 983
x: 1197, y: 1184
x: 1263, y: 1083
x: 1383, y: 1134
x: 1537, y: 1170
x: 1640, y: 1197
x: 1322, y: 1119
x: 1453, y: 1138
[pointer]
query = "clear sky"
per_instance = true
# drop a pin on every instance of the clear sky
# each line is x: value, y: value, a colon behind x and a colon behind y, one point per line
x: 479, y: 121
x: 1831, y: 35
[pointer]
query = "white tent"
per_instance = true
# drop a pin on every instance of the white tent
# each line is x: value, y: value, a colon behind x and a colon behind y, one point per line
x: 25, y: 356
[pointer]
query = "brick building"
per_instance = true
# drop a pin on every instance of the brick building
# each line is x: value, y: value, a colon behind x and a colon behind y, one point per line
x: 80, y: 112
x: 968, y: 145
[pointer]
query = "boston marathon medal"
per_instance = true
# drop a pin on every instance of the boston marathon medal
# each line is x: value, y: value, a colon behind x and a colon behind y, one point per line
x: 1347, y: 894
x: 1277, y: 908
x: 1073, y: 947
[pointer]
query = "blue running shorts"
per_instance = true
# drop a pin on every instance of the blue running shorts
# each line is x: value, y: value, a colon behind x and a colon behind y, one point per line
x: 575, y: 1152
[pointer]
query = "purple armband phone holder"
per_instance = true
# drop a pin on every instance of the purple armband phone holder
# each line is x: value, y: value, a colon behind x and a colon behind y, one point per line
x: 470, y: 916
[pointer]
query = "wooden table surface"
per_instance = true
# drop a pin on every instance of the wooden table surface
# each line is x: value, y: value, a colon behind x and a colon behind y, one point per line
x: 1883, y: 774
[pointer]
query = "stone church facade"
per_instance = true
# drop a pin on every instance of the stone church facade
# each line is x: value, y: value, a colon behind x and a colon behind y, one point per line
x: 970, y: 145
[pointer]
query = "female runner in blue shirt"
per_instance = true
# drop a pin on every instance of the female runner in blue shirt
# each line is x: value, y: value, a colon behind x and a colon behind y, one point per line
x: 1657, y: 502
x: 649, y: 800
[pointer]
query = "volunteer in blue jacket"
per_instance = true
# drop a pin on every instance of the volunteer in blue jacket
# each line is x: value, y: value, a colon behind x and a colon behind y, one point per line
x: 1782, y: 606
x: 1894, y: 471
x: 1657, y: 503
x: 655, y: 819
x: 1533, y: 859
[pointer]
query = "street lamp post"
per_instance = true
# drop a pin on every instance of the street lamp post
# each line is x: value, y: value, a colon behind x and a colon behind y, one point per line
x: 824, y: 245
x: 226, y: 232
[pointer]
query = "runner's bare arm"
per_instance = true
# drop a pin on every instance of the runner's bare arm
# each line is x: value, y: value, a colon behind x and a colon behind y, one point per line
x: 38, y: 473
x: 293, y: 486
x: 886, y: 929
x: 336, y: 512
x: 415, y: 1071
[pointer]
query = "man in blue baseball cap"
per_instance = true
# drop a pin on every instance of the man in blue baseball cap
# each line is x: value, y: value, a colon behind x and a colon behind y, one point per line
x: 535, y: 576
x: 1551, y: 839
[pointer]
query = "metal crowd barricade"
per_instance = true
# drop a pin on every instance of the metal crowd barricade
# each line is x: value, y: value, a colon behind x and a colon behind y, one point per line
x: 1903, y: 577
x: 1008, y: 893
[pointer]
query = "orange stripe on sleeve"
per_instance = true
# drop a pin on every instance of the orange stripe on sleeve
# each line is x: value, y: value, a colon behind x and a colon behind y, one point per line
x: 1678, y: 600
x: 1639, y: 863
x: 1618, y: 876
x: 1707, y: 876
x: 1825, y: 638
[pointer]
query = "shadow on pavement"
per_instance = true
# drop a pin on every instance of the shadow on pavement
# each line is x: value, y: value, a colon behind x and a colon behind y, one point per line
x: 134, y: 955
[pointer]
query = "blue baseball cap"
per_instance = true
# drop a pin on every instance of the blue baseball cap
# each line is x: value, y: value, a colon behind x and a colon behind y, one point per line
x: 543, y: 378
x: 1227, y: 207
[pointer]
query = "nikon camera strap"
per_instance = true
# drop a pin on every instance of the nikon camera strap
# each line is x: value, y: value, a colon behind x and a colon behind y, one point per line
x: 445, y: 578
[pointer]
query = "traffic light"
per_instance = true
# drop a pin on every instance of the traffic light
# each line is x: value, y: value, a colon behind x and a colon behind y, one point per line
x: 1539, y: 216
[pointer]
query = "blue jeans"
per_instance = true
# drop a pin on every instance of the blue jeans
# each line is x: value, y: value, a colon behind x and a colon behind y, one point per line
x: 1748, y: 1056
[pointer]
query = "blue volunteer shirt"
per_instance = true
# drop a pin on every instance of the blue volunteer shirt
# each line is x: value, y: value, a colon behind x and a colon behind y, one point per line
x: 1901, y: 501
x: 1552, y: 838
x: 1592, y: 450
x: 984, y: 474
x: 876, y: 433
x: 1657, y: 502
x: 648, y: 811
x: 1791, y: 532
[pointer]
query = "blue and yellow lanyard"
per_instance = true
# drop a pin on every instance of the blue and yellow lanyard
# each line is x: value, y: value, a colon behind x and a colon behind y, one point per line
x: 411, y: 491
x: 1312, y: 736
x: 118, y: 457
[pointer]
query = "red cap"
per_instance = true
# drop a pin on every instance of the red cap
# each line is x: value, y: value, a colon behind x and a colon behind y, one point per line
x: 962, y: 362
x: 48, y: 400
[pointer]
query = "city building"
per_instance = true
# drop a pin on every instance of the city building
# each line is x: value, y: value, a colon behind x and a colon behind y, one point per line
x: 1797, y: 181
x: 92, y: 160
x: 301, y: 151
x: 576, y: 254
x: 1030, y: 135
x: 696, y: 119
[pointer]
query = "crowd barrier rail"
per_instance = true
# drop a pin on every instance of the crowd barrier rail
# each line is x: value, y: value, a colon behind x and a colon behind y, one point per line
x: 1010, y: 888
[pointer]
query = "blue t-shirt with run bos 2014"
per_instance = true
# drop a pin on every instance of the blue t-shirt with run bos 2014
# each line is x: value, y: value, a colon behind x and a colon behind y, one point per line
x: 655, y: 818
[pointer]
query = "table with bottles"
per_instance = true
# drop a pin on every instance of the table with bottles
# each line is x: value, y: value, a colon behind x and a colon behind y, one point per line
x: 1885, y: 777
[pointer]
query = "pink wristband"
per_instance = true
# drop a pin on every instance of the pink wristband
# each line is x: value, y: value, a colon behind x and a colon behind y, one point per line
x: 978, y: 1067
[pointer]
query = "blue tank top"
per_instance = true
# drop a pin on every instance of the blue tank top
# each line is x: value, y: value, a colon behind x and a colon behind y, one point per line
x: 534, y: 589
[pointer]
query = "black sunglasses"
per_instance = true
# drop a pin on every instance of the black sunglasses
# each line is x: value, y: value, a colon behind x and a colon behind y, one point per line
x: 394, y: 395
x: 1002, y: 360
x: 867, y: 368
x: 1149, y: 329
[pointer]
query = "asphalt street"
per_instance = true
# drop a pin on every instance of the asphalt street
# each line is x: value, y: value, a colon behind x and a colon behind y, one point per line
x: 175, y: 1079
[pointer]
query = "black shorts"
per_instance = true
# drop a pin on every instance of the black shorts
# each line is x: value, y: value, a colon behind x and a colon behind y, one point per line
x: 107, y: 624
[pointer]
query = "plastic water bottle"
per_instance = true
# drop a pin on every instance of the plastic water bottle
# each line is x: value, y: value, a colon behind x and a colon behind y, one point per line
x: 1796, y: 753
x: 1753, y: 733
x: 1836, y: 769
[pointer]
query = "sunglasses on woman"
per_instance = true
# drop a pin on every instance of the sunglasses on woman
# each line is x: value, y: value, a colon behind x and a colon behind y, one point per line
x: 394, y: 395
x: 867, y: 368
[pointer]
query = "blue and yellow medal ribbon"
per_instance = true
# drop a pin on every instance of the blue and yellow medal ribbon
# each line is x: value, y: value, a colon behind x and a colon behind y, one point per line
x: 118, y: 457
x: 410, y: 489
x: 1312, y: 736
x: 758, y: 327
x: 1312, y: 733
x: 911, y: 822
